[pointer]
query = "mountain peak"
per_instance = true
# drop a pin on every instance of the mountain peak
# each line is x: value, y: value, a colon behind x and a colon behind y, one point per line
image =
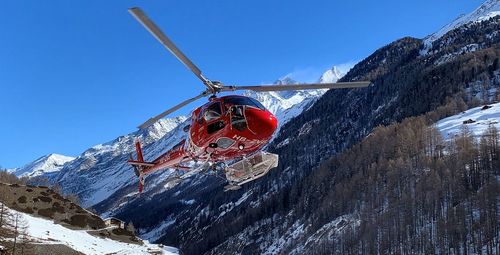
x: 488, y: 9
x: 331, y: 76
x: 163, y: 126
x: 285, y: 80
x: 46, y: 164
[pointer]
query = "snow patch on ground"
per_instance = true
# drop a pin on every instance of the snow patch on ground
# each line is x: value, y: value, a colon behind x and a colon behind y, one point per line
x: 188, y: 202
x: 451, y: 126
x: 283, y: 143
x: 450, y: 56
x: 154, y: 234
x: 290, y: 236
x: 225, y: 208
x: 46, y: 231
x: 329, y: 231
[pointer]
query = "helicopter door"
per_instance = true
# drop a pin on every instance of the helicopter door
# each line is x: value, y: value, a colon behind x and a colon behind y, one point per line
x: 212, y: 116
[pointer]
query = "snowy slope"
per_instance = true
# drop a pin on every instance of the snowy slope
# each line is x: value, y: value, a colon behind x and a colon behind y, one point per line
x: 46, y: 231
x: 101, y: 170
x: 488, y: 9
x: 451, y: 126
x: 47, y: 164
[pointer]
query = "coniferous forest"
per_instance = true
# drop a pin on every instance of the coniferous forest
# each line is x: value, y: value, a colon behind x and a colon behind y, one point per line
x: 411, y: 191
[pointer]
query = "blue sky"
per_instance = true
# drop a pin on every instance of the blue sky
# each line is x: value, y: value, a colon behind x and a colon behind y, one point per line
x: 78, y: 73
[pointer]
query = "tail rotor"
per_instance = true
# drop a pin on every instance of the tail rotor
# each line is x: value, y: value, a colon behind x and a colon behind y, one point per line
x: 138, y: 164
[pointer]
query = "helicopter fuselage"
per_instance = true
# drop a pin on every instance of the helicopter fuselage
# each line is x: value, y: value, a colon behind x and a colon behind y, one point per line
x: 223, y: 129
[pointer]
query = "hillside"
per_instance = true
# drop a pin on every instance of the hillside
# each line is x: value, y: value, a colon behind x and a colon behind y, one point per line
x: 44, y: 202
x: 477, y: 120
x: 55, y: 225
x: 45, y: 231
x: 403, y: 189
x: 487, y: 10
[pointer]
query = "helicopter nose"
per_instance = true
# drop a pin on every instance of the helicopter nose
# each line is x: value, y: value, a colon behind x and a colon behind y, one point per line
x: 262, y: 122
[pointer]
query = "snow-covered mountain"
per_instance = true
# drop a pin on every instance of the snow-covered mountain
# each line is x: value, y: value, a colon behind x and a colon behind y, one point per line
x: 332, y: 75
x: 488, y: 9
x: 285, y: 104
x: 101, y: 170
x: 47, y: 164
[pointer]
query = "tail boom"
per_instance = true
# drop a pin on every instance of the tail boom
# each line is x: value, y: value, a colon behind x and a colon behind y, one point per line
x: 170, y: 159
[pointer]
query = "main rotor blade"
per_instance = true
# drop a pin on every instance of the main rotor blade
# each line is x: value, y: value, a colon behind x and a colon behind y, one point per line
x: 152, y: 120
x: 160, y: 36
x: 338, y: 85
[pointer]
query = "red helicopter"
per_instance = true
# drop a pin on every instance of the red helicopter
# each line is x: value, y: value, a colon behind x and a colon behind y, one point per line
x: 230, y: 129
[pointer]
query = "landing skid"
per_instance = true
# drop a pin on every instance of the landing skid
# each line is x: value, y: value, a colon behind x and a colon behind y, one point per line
x: 245, y: 170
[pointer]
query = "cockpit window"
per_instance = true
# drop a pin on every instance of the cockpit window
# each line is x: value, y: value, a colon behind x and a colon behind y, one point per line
x: 259, y: 105
x: 238, y: 120
x: 244, y: 101
x: 212, y: 112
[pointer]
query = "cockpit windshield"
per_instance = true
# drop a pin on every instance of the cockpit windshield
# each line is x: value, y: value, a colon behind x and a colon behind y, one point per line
x: 244, y: 101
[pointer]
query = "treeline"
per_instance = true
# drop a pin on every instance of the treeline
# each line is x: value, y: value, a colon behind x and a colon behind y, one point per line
x: 14, y: 237
x: 413, y: 192
x: 6, y: 177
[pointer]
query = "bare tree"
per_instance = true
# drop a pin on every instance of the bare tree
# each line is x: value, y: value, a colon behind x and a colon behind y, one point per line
x: 130, y: 227
x: 5, y: 229
x: 19, y: 229
x: 73, y: 198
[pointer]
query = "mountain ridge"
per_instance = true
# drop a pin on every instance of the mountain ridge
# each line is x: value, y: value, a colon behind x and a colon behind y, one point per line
x: 47, y: 164
x: 490, y: 8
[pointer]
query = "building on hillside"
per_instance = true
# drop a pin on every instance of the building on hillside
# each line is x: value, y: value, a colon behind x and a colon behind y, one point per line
x: 114, y: 222
x: 155, y: 251
x: 3, y: 250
